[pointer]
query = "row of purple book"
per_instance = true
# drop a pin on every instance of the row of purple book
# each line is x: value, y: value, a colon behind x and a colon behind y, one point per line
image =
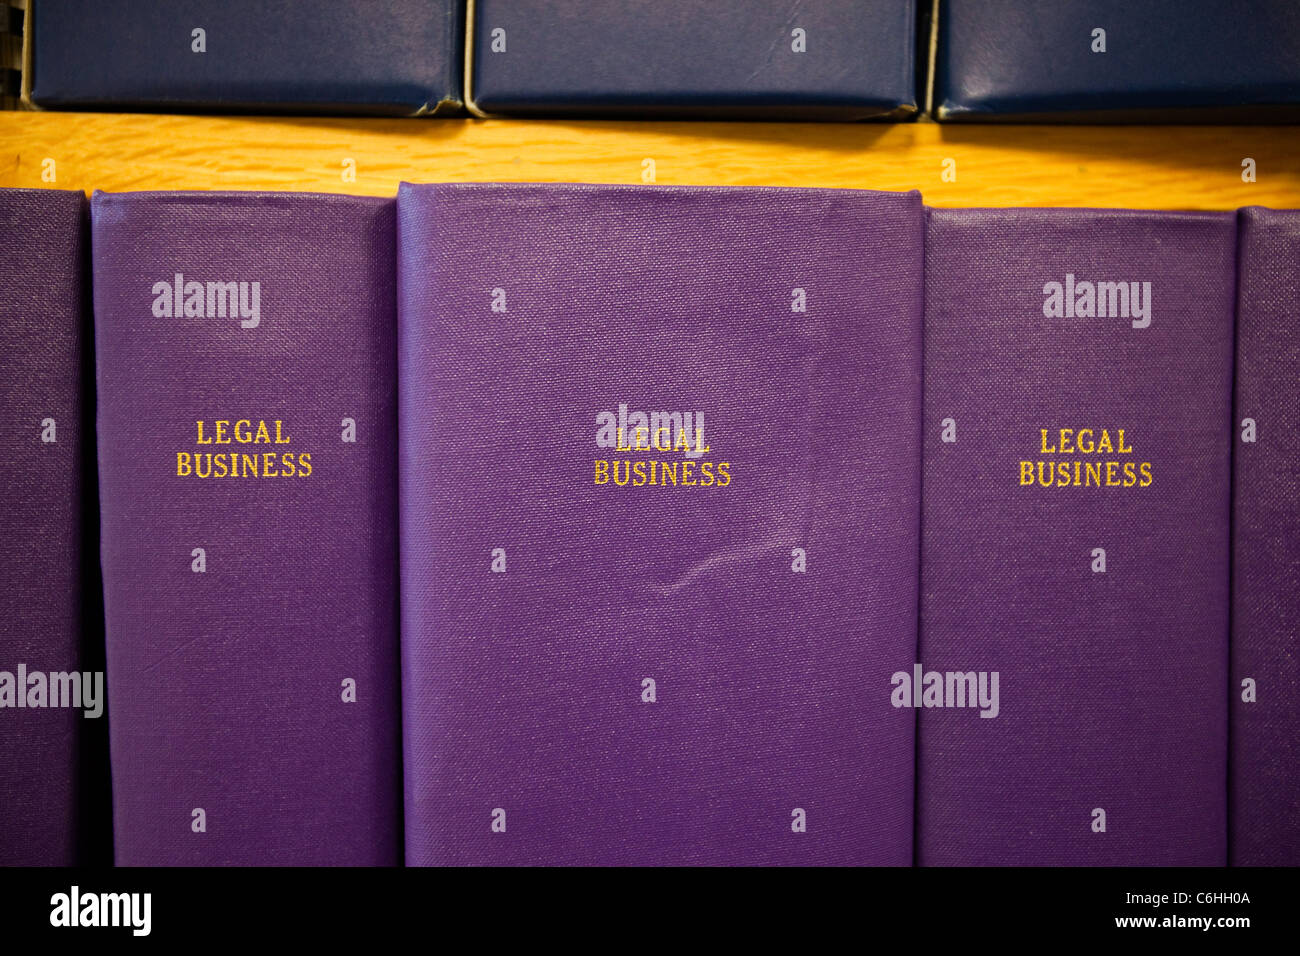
x: 702, y: 557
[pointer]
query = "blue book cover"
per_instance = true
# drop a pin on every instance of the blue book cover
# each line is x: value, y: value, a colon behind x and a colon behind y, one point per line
x: 1117, y: 61
x: 757, y: 59
x: 402, y: 57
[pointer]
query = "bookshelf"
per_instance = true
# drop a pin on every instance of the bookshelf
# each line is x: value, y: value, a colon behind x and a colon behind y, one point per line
x: 1175, y: 167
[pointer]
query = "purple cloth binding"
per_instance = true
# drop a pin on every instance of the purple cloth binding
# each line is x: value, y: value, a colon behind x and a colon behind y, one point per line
x: 1112, y: 685
x: 226, y: 686
x: 1265, y: 782
x: 524, y: 691
x: 41, y: 342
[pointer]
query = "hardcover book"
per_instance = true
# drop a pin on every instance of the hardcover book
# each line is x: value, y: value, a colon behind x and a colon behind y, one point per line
x: 659, y: 476
x: 1264, y: 797
x: 832, y: 60
x: 49, y: 699
x: 11, y: 55
x: 402, y: 57
x: 245, y: 349
x: 1074, y: 570
x: 1113, y: 60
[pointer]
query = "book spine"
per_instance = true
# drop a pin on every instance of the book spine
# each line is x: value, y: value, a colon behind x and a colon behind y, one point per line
x: 50, y: 700
x: 1265, y: 688
x: 1074, y: 577
x: 834, y: 60
x: 677, y: 655
x: 1095, y: 61
x: 11, y: 55
x: 400, y: 58
x: 246, y: 424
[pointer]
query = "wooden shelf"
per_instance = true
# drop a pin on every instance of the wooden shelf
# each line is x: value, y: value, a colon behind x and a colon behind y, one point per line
x: 1172, y: 167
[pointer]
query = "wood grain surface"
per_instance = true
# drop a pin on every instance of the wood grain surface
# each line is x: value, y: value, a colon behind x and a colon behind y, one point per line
x: 1170, y: 167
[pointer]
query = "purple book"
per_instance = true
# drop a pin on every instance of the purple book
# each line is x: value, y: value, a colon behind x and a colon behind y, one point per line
x: 45, y: 591
x: 659, y: 502
x: 1074, y: 570
x: 1264, y: 794
x: 245, y: 348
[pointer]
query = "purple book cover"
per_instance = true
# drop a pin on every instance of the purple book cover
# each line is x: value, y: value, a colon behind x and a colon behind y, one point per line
x: 1265, y: 688
x: 245, y: 349
x: 1074, y: 579
x: 659, y: 499
x: 42, y: 338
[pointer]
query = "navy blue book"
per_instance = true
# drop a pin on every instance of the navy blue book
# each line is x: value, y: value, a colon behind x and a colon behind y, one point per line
x: 401, y: 57
x: 759, y: 59
x: 1118, y: 61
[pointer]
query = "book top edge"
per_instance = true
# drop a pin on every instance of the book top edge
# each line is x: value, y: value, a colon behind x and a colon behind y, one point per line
x: 234, y: 197
x: 640, y: 189
x: 1028, y: 213
x: 40, y: 191
x: 1268, y: 213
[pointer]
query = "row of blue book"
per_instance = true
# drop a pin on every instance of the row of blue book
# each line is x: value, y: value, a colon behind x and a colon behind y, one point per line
x: 992, y: 60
